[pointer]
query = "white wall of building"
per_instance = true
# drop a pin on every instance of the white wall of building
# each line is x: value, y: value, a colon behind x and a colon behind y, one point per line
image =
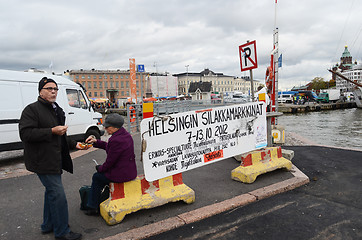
x: 163, y: 86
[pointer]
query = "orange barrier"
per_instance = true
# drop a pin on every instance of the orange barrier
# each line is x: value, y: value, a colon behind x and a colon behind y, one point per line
x: 132, y: 116
x: 258, y: 162
x: 140, y: 194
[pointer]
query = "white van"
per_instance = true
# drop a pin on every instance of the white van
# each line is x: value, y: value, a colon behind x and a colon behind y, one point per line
x: 18, y: 89
x: 285, y: 98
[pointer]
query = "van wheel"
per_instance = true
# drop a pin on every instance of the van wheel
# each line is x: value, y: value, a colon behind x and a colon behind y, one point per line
x: 92, y: 132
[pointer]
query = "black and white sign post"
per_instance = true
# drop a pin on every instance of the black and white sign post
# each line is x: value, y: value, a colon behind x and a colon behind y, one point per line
x: 248, y: 61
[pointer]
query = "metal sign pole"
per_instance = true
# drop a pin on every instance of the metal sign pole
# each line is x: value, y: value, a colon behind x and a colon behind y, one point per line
x: 141, y: 86
x: 252, y: 85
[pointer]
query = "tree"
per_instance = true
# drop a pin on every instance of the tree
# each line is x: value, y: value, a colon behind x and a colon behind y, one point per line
x: 318, y: 83
x: 331, y: 83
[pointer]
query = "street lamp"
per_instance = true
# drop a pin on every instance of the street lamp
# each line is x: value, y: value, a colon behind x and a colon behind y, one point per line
x: 155, y: 65
x: 187, y: 77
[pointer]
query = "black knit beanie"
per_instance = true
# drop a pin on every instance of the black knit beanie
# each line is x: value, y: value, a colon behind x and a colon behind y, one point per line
x: 44, y: 81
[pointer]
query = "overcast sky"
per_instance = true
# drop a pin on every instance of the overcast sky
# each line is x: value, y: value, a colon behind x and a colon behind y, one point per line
x: 174, y: 33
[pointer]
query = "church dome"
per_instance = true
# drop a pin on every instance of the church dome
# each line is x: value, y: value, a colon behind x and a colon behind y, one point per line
x: 346, y: 53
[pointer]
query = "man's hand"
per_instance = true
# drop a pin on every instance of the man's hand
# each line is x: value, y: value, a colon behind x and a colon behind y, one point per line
x: 59, y: 130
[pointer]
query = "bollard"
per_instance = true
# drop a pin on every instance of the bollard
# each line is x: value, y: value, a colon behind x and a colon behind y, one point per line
x: 259, y: 162
x: 138, y: 194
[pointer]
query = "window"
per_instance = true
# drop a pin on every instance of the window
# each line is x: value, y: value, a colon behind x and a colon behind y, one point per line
x: 122, y: 85
x: 89, y: 85
x: 106, y: 84
x: 112, y: 84
x: 127, y: 84
x: 90, y: 94
x: 94, y: 85
x: 89, y: 77
x: 76, y: 99
x: 100, y: 84
x: 94, y: 77
x: 101, y: 94
x: 117, y: 84
x: 100, y: 77
x: 95, y: 94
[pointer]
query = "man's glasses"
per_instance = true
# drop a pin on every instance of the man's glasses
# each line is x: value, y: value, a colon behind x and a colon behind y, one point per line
x: 51, y: 89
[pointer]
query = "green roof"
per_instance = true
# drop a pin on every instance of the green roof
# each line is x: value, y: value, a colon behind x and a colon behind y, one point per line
x: 346, y: 53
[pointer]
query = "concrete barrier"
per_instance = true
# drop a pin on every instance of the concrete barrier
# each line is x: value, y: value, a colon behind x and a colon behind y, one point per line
x: 140, y: 194
x: 259, y: 162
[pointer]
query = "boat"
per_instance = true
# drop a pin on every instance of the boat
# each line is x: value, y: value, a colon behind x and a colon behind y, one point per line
x: 357, y: 90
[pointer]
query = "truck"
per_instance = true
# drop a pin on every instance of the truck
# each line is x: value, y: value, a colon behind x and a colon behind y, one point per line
x: 18, y: 89
x: 328, y: 95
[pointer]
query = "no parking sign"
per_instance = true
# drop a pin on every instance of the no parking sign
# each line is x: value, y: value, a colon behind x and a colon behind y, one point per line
x: 248, y: 58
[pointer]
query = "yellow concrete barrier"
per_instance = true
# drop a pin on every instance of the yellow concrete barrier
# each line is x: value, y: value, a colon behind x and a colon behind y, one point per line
x: 259, y: 162
x: 140, y: 194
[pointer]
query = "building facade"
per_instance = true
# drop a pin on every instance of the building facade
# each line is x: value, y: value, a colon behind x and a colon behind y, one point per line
x: 220, y: 83
x: 162, y: 85
x: 243, y: 84
x: 348, y: 69
x: 111, y: 84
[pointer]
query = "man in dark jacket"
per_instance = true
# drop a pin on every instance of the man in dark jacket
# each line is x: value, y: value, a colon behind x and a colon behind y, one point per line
x: 120, y: 164
x: 43, y: 132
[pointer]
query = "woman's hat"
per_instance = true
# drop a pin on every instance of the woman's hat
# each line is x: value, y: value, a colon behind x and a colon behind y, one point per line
x: 114, y: 120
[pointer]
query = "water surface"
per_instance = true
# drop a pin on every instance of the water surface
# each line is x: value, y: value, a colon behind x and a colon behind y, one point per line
x: 340, y: 128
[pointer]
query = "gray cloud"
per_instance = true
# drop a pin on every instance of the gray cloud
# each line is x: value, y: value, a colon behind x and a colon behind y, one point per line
x: 172, y: 34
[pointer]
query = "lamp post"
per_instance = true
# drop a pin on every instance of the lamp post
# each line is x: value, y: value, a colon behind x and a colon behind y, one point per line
x: 104, y: 81
x: 187, y: 77
x: 155, y: 65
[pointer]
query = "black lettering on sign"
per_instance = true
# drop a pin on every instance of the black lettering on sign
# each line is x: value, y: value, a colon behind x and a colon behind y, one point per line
x: 221, y: 130
x: 172, y: 167
x: 247, y: 52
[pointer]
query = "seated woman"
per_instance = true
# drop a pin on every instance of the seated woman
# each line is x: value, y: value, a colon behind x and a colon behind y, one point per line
x: 120, y: 164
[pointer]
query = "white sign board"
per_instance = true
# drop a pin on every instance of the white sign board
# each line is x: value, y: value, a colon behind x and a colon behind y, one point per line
x: 184, y: 141
x: 248, y: 58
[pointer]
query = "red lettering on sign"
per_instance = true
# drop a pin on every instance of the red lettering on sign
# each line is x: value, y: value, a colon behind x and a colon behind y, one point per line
x: 213, y: 155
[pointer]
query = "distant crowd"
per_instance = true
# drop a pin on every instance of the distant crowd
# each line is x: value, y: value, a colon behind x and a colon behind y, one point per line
x: 104, y: 105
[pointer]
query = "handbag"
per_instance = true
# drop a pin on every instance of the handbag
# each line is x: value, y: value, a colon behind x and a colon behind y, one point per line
x: 84, y: 192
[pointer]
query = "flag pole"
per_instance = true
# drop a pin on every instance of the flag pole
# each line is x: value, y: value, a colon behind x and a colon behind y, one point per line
x: 276, y: 64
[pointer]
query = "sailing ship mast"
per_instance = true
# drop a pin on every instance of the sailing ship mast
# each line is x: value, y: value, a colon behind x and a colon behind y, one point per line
x: 272, y: 71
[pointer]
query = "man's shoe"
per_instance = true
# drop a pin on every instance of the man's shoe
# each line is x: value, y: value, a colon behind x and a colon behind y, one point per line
x: 46, y: 231
x: 92, y: 212
x: 70, y: 236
